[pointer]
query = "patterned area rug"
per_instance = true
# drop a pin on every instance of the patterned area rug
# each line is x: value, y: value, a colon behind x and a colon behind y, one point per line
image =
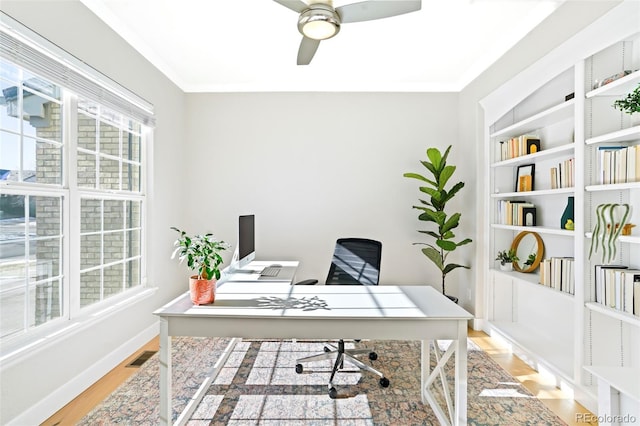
x: 258, y: 385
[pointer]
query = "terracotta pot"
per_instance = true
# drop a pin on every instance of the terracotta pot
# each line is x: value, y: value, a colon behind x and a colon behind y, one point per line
x: 202, y: 291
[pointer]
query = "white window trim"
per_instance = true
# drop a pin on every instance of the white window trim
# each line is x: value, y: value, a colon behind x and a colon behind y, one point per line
x: 73, y: 318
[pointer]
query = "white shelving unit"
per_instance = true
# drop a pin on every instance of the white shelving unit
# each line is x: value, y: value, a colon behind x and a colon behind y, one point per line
x: 611, y: 348
x: 582, y: 342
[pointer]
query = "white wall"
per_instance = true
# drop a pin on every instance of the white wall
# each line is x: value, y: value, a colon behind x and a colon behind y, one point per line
x: 43, y: 381
x: 314, y: 167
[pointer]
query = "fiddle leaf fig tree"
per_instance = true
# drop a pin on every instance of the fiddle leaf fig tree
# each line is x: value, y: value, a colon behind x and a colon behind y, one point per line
x: 434, y: 214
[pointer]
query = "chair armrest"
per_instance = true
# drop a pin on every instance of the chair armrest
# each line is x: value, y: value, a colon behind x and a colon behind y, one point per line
x: 307, y: 282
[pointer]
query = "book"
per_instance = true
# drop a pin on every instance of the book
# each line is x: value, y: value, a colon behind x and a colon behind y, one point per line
x: 600, y: 280
x: 637, y: 163
x: 618, y: 289
x: 629, y: 276
x: 631, y: 164
x: 606, y: 161
x: 636, y: 298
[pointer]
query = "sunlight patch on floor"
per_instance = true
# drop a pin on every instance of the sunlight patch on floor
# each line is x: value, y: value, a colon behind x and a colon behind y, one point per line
x: 278, y: 408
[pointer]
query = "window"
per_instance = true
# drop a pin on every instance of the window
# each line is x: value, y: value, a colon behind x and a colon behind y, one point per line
x: 71, y: 198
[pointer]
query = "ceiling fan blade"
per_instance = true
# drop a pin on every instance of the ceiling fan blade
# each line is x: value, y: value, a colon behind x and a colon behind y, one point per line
x: 376, y: 9
x: 308, y: 47
x: 295, y: 5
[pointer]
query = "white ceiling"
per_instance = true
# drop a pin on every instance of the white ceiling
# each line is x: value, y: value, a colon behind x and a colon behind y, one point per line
x: 252, y: 45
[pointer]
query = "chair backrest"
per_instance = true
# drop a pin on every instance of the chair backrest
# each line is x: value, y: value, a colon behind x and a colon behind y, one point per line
x: 356, y: 261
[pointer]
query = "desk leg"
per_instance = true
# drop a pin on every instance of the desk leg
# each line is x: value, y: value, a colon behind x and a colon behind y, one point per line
x: 425, y: 369
x: 165, y: 373
x: 461, y: 374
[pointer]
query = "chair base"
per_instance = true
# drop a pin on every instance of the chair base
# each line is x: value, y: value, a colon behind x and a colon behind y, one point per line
x: 341, y: 354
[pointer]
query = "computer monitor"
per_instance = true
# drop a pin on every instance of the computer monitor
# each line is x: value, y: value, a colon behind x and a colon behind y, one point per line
x: 246, y: 240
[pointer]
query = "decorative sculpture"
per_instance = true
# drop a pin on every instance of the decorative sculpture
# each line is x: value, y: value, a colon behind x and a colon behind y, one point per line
x: 611, y: 219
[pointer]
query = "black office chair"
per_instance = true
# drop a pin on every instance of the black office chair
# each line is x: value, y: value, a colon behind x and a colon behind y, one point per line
x: 356, y: 261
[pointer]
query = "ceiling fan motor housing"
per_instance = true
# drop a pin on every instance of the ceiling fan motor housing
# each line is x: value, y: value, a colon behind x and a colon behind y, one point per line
x: 319, y: 22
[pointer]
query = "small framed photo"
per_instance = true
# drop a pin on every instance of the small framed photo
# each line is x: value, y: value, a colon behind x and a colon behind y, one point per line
x: 524, y: 177
x: 533, y: 146
x: 529, y: 216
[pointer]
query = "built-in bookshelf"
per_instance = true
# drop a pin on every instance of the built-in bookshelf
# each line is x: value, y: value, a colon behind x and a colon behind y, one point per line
x: 612, y: 175
x: 551, y: 316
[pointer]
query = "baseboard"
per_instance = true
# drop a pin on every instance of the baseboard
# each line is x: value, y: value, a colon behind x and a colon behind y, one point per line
x: 478, y: 324
x: 70, y: 390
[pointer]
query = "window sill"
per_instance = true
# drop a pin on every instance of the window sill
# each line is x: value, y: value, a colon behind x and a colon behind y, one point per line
x: 15, y: 349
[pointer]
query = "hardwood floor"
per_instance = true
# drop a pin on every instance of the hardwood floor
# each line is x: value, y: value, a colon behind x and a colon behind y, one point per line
x: 75, y: 410
x: 543, y: 388
x: 555, y: 399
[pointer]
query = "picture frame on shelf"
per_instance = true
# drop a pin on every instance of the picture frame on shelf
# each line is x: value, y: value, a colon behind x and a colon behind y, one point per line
x: 525, y: 178
x: 529, y: 216
x: 533, y: 146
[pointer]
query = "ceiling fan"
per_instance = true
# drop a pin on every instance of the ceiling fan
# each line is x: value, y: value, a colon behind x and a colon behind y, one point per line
x: 320, y: 20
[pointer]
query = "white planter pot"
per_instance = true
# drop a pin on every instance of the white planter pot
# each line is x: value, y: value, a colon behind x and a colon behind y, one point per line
x: 506, y: 267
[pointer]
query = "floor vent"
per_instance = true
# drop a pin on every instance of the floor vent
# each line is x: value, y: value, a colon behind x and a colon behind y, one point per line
x: 144, y: 357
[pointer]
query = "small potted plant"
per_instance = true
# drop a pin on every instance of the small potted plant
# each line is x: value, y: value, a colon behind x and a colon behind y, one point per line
x: 506, y: 258
x: 202, y: 253
x: 630, y: 104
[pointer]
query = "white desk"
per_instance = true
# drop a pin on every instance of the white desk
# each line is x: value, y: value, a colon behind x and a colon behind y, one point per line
x: 282, y: 311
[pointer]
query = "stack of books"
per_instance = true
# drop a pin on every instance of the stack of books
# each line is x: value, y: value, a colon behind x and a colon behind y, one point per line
x: 518, y: 213
x: 562, y: 176
x: 519, y: 146
x: 558, y: 273
x: 618, y: 287
x: 618, y: 164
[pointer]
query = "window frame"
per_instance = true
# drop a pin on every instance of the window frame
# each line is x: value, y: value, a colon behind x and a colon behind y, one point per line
x: 72, y: 313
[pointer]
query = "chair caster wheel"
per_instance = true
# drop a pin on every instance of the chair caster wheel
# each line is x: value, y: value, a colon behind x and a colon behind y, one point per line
x: 333, y: 393
x: 326, y: 349
x: 298, y: 368
x: 373, y: 356
x: 384, y: 382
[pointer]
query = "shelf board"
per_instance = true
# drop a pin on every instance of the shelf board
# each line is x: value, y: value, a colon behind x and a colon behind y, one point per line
x: 621, y: 86
x: 530, y: 278
x: 537, y: 156
x: 549, y: 116
x: 614, y: 313
x: 625, y: 135
x: 538, y: 229
x: 624, y: 379
x: 613, y: 187
x: 534, y: 193
x: 556, y: 355
x: 622, y: 238
x: 533, y: 280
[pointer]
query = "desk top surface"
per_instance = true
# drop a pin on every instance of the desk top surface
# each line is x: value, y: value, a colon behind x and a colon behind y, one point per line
x: 276, y: 299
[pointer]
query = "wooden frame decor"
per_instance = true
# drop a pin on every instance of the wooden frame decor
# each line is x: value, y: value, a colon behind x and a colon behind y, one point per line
x: 524, y: 177
x: 525, y: 247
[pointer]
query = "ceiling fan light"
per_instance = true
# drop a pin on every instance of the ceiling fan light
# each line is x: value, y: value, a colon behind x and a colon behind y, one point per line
x: 319, y: 30
x: 319, y: 22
